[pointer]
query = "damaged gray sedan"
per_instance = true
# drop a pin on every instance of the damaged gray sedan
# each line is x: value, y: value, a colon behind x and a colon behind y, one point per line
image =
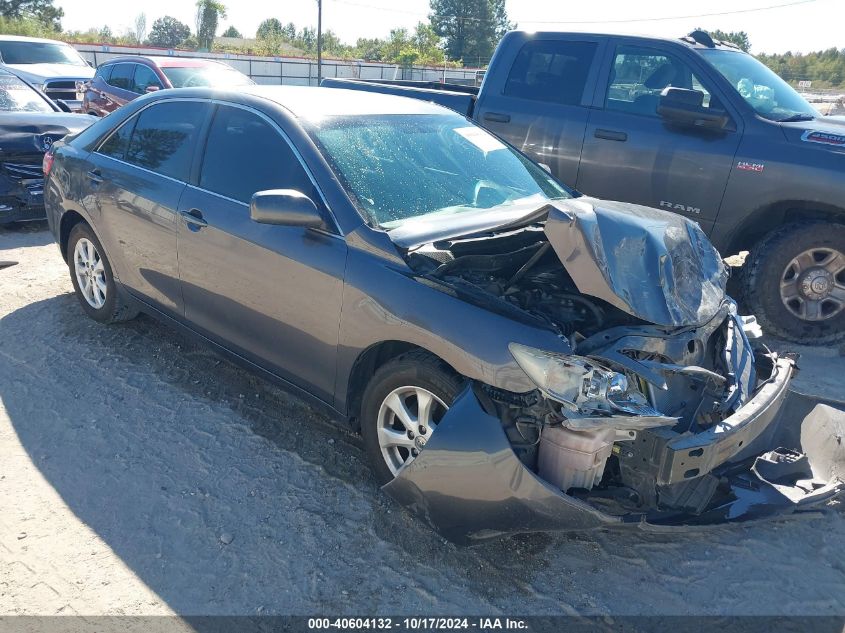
x: 518, y: 357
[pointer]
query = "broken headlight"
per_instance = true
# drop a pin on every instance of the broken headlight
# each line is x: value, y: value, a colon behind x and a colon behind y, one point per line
x: 588, y: 391
x: 573, y: 381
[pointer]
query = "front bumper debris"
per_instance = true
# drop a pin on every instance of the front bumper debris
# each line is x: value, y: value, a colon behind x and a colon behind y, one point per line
x: 782, y: 453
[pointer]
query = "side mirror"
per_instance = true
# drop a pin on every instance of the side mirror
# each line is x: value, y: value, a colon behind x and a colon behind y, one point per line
x: 152, y: 88
x: 285, y: 207
x: 63, y: 106
x: 685, y: 107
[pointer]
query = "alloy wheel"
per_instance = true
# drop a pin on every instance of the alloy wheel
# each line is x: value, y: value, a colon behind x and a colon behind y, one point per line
x: 90, y: 273
x: 812, y: 286
x: 406, y: 419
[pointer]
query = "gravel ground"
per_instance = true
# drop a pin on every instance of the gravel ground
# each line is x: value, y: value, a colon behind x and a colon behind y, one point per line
x: 141, y: 473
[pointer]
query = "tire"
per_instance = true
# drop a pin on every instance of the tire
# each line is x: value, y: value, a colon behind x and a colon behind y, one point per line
x: 773, y: 261
x: 113, y: 308
x: 415, y: 370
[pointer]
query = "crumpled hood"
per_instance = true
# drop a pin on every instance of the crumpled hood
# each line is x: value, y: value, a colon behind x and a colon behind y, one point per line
x: 654, y: 265
x: 38, y: 73
x: 31, y: 132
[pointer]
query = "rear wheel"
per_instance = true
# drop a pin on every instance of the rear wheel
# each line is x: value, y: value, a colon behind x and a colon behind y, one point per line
x: 93, y: 280
x: 795, y: 283
x: 402, y: 405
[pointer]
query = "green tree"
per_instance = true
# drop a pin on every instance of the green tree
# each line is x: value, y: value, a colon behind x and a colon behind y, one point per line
x: 209, y: 13
x: 41, y: 11
x: 268, y: 28
x: 168, y: 32
x: 471, y: 28
x: 232, y: 32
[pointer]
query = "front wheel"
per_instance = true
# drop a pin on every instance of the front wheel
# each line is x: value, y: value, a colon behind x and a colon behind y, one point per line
x: 795, y: 283
x: 402, y: 405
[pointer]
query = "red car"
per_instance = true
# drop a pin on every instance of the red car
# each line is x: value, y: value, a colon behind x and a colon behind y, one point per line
x: 122, y: 79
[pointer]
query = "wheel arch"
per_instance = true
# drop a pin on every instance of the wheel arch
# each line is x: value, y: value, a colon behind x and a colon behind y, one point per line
x: 767, y: 218
x: 69, y: 220
x: 366, y: 364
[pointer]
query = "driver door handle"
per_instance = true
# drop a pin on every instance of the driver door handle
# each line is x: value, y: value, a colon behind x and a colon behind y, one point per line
x: 193, y: 219
x: 497, y: 117
x: 611, y: 135
x: 95, y: 176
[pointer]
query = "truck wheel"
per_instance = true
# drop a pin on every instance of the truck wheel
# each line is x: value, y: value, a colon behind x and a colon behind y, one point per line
x: 794, y: 282
x: 93, y: 280
x: 402, y: 404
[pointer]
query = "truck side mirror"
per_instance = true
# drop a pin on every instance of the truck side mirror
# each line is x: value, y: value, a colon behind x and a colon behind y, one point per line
x: 685, y: 107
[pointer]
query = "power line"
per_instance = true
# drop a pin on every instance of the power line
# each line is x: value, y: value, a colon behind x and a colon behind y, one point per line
x: 772, y: 7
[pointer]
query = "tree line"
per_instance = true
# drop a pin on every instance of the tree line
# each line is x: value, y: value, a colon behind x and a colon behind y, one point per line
x: 458, y: 32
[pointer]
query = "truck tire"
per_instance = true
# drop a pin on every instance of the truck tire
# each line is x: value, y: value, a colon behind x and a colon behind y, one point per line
x: 390, y: 443
x: 794, y: 283
x: 93, y: 280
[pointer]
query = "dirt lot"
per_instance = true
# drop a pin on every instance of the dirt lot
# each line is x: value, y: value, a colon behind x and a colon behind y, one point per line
x: 142, y: 474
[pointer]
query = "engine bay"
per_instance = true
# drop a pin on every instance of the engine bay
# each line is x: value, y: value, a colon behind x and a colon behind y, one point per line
x: 669, y: 381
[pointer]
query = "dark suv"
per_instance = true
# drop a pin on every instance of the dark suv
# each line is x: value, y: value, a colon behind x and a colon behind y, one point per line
x: 516, y: 356
x: 122, y: 79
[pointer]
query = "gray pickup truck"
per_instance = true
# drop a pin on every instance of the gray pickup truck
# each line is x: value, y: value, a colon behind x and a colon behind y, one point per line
x: 691, y: 125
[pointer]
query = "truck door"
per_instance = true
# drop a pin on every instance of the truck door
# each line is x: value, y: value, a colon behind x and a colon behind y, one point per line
x: 632, y: 154
x: 540, y: 105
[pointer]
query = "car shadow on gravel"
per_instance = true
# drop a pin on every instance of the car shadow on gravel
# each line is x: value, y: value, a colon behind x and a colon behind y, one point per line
x: 90, y: 406
x: 226, y: 495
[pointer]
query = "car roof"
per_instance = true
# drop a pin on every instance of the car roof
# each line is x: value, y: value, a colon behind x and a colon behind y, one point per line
x: 686, y: 40
x: 307, y: 102
x: 166, y: 62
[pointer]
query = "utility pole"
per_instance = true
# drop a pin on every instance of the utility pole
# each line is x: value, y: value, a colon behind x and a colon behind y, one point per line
x: 319, y: 40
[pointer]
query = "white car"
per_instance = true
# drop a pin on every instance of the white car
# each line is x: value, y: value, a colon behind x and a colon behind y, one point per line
x: 53, y: 66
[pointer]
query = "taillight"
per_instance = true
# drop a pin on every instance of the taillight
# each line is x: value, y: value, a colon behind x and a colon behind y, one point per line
x: 47, y: 163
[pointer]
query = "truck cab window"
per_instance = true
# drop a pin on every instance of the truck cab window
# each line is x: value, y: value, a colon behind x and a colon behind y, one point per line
x: 639, y: 75
x: 552, y: 71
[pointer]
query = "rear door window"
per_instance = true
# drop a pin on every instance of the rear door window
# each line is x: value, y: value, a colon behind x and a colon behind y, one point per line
x: 104, y: 72
x: 116, y: 144
x: 164, y: 138
x: 121, y: 76
x: 245, y: 154
x: 144, y: 78
x: 552, y: 71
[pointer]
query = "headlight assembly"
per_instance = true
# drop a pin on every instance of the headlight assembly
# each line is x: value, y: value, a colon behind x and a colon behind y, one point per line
x: 588, y: 391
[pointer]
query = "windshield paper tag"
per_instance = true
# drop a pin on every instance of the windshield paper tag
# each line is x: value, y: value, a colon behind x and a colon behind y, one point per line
x: 484, y: 141
x: 824, y: 138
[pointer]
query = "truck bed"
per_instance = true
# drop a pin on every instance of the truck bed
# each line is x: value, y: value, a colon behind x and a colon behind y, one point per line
x: 459, y: 98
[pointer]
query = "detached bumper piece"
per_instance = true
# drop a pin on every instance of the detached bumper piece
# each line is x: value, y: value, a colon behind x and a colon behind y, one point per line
x: 781, y: 453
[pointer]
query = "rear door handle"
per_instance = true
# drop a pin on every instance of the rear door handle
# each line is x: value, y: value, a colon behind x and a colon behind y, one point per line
x: 497, y: 117
x: 611, y: 135
x: 193, y: 219
x: 95, y: 176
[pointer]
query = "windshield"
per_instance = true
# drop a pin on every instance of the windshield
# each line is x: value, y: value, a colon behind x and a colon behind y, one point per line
x: 399, y: 167
x: 16, y: 96
x: 769, y: 95
x: 39, y: 53
x: 216, y: 76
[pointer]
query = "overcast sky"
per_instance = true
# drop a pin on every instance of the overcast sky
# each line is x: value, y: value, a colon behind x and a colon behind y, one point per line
x: 807, y: 25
